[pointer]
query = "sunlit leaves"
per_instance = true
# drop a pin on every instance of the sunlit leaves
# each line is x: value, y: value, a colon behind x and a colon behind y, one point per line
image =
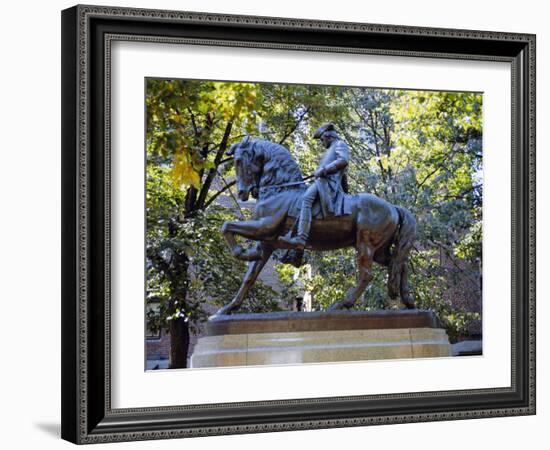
x: 183, y: 172
x: 187, y: 119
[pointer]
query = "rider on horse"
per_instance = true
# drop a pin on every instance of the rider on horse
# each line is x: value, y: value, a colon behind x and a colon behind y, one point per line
x: 379, y: 231
x: 329, y: 186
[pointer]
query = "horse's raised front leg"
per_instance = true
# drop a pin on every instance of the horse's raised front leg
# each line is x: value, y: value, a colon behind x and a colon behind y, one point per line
x: 257, y: 230
x: 254, y: 269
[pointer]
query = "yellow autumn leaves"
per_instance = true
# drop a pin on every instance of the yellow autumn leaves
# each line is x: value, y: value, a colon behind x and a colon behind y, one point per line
x: 183, y: 172
x: 186, y: 122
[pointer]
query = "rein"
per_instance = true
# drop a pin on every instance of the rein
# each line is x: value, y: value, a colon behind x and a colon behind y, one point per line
x: 292, y: 183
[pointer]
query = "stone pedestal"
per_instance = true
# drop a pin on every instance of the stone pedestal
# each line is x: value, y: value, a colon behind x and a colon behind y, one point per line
x: 315, y: 337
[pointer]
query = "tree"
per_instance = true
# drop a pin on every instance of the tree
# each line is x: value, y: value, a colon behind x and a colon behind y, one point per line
x: 189, y: 126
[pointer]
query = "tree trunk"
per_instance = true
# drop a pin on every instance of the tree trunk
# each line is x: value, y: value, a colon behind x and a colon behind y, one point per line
x: 179, y: 343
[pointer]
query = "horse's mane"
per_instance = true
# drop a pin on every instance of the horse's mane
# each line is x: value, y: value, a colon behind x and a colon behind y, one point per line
x: 279, y: 167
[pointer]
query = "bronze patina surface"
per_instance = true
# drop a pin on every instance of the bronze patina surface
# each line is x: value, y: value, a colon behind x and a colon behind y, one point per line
x: 320, y: 321
x: 291, y: 215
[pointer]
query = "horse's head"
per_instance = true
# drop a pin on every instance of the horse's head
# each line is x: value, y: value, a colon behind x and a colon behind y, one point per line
x: 247, y: 167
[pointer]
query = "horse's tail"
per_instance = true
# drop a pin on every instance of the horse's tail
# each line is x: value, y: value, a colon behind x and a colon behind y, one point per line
x: 403, y: 240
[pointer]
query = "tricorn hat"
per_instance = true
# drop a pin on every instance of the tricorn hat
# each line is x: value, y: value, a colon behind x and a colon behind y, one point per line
x: 322, y: 129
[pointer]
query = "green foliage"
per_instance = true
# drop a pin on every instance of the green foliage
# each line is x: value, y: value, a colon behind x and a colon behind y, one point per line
x: 189, y: 127
x: 294, y: 283
x: 469, y: 247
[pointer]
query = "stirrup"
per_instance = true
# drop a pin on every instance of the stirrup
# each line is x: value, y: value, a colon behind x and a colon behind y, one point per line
x: 295, y: 241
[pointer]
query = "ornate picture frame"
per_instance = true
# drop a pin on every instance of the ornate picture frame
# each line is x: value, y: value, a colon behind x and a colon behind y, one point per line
x: 87, y: 413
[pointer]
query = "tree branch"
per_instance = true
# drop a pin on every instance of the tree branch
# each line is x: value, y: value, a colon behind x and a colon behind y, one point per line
x: 296, y: 124
x: 440, y: 165
x: 193, y: 122
x: 223, y: 161
x: 232, y: 195
x: 217, y: 194
x: 212, y: 172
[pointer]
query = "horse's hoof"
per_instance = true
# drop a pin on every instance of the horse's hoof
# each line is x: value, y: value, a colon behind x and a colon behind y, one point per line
x: 237, y: 252
x: 251, y: 255
x: 338, y: 306
x: 225, y: 311
x: 409, y: 304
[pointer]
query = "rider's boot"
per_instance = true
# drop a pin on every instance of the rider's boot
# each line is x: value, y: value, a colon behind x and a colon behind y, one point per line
x: 304, y: 222
x: 298, y: 241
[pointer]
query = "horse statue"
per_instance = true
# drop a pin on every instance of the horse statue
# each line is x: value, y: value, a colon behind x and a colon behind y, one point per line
x: 379, y: 231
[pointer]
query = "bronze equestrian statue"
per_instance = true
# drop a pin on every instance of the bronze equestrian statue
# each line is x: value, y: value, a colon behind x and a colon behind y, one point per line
x: 379, y: 231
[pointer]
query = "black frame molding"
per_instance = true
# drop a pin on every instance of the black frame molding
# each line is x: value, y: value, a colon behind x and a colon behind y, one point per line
x: 87, y: 33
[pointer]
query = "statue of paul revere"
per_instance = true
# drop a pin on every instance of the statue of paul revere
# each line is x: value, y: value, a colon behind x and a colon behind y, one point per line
x: 290, y: 214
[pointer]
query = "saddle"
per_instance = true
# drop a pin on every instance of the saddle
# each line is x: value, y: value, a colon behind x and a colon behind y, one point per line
x: 317, y: 210
x: 296, y: 208
x: 295, y: 256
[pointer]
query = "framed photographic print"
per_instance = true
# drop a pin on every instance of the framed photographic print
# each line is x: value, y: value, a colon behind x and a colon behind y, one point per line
x: 283, y: 224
